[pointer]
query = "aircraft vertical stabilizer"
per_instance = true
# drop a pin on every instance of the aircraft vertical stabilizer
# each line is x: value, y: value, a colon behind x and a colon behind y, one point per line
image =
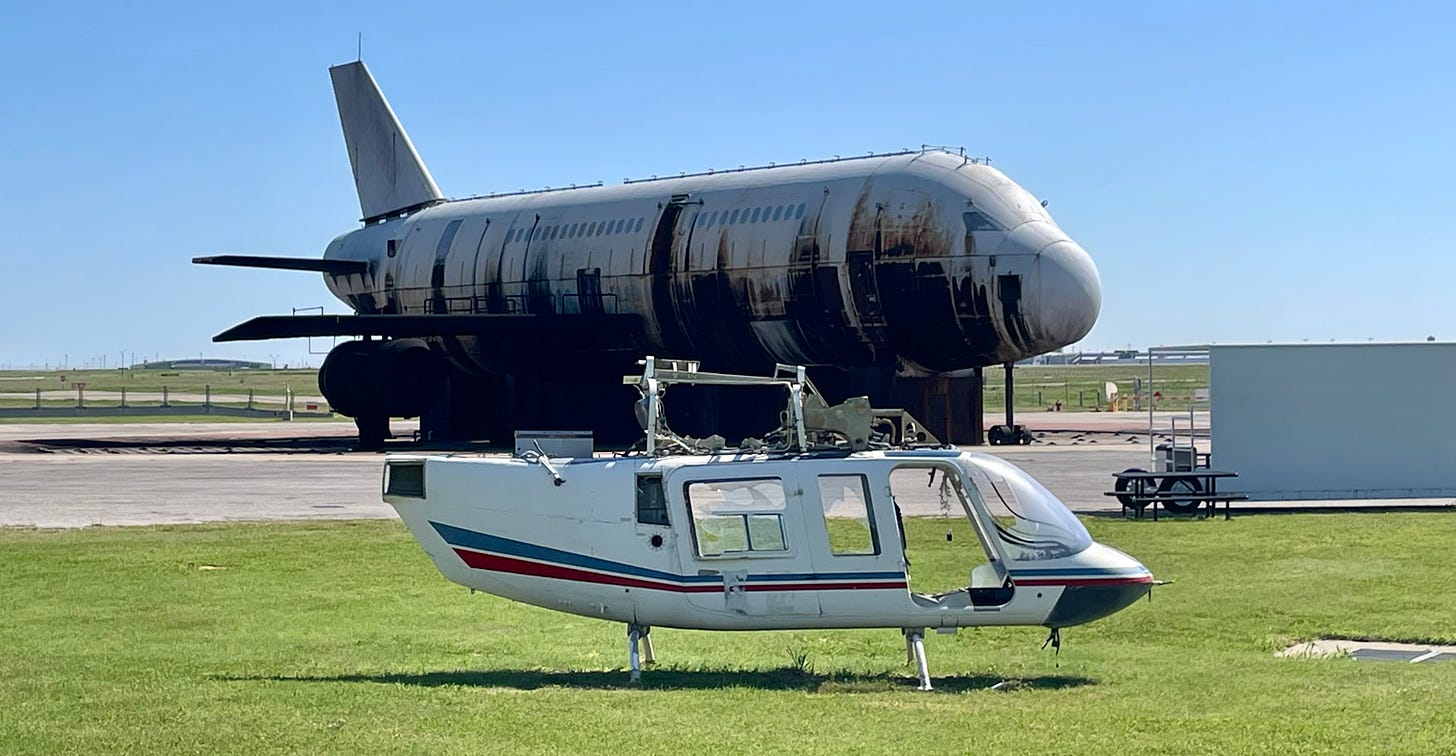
x: 388, y: 172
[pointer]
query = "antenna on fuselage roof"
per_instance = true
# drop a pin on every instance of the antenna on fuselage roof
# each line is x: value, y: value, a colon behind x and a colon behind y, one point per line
x: 359, y: 53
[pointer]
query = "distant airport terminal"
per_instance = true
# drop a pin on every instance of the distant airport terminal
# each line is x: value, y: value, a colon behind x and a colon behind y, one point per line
x: 203, y: 364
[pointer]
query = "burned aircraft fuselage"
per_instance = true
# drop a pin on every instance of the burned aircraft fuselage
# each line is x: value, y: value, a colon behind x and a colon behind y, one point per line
x: 925, y: 261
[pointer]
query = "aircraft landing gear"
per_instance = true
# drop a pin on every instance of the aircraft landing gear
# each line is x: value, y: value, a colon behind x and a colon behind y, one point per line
x: 636, y: 633
x: 1009, y: 434
x: 915, y: 651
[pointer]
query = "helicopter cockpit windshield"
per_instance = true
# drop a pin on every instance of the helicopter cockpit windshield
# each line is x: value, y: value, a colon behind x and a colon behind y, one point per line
x: 1031, y: 522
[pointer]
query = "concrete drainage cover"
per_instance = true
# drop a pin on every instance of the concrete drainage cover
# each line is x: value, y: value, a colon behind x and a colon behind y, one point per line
x: 1415, y: 653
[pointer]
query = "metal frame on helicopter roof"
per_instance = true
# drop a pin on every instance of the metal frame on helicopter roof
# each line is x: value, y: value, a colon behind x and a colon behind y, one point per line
x: 854, y: 419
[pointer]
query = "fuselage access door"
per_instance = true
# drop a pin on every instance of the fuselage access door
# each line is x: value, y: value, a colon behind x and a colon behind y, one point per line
x: 748, y: 527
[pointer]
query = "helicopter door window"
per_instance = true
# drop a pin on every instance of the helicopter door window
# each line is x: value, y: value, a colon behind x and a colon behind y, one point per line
x: 738, y: 517
x: 845, y: 500
x: 651, y: 501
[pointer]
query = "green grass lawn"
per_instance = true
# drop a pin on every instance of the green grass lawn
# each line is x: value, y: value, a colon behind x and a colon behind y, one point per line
x: 271, y: 383
x: 1071, y: 384
x: 306, y: 637
x: 1036, y: 386
x: 158, y: 419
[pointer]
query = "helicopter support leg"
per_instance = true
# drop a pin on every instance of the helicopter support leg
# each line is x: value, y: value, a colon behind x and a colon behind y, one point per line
x: 634, y: 634
x: 648, y: 657
x: 915, y: 640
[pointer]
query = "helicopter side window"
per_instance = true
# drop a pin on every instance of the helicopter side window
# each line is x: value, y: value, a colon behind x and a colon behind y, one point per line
x: 651, y: 501
x: 845, y: 500
x: 737, y: 517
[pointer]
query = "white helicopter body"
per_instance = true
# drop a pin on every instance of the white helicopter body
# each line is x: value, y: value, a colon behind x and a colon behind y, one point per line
x: 755, y: 540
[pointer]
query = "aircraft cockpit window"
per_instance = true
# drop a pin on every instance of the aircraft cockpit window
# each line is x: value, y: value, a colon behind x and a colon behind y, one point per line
x: 845, y: 502
x: 737, y: 517
x: 978, y: 221
x: 1039, y: 526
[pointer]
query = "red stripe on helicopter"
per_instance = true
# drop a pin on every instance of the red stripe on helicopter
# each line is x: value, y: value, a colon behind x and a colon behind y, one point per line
x: 497, y: 563
x: 822, y: 586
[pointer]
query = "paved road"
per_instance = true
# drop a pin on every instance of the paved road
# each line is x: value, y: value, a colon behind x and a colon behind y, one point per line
x: 146, y: 485
x: 191, y: 480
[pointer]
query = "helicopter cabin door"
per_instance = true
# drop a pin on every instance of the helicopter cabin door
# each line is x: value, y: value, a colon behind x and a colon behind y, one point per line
x: 747, y: 525
x: 858, y: 544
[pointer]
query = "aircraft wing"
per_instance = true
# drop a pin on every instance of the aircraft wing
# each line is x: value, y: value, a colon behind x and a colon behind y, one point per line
x: 575, y: 327
x: 337, y: 267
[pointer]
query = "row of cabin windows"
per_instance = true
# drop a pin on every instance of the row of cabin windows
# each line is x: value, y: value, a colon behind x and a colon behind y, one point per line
x: 746, y: 517
x: 564, y: 231
x: 765, y: 214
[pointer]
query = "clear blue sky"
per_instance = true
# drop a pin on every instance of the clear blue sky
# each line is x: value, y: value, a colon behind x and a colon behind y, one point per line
x: 1239, y: 171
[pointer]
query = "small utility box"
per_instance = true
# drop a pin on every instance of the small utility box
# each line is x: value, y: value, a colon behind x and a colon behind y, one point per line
x: 1172, y: 458
x: 574, y: 444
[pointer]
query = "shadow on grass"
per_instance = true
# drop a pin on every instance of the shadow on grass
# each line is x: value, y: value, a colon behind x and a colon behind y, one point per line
x: 787, y: 678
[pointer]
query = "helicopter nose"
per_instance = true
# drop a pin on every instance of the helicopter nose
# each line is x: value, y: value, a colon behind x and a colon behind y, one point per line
x: 1071, y: 293
x: 1111, y: 582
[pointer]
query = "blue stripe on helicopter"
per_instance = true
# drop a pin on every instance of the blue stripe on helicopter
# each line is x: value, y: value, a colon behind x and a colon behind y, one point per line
x: 471, y: 539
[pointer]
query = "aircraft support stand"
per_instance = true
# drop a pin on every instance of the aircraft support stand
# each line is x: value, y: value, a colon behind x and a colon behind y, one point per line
x: 915, y: 648
x: 637, y: 633
x: 373, y: 430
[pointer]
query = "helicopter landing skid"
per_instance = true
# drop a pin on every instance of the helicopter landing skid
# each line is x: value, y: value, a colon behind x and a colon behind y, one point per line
x: 915, y: 651
x: 636, y: 633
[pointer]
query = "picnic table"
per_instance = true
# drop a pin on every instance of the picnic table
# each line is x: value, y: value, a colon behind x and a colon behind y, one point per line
x: 1177, y: 492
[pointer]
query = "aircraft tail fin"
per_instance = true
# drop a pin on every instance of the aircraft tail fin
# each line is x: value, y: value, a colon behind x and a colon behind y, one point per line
x: 388, y: 172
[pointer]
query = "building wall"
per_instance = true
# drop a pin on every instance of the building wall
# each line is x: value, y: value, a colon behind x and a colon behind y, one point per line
x: 1334, y: 421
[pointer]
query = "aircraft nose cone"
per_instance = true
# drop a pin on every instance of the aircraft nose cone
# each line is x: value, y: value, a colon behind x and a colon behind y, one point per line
x: 1108, y: 582
x: 1085, y: 603
x: 1071, y: 293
